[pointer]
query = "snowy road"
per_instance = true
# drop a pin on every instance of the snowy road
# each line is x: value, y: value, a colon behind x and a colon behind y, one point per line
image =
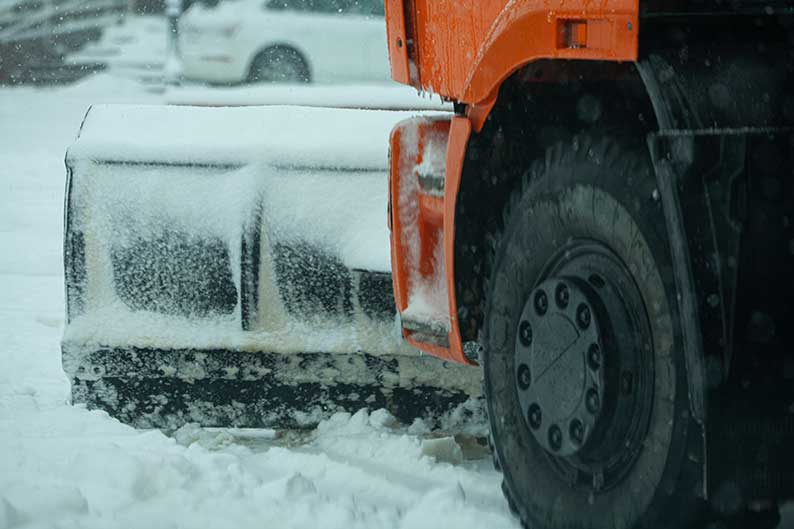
x: 64, y: 466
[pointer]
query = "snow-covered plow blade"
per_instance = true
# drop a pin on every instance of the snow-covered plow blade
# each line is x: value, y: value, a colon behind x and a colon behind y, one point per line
x: 231, y: 267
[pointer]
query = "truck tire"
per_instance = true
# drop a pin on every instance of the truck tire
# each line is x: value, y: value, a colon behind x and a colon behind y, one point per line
x: 584, y: 369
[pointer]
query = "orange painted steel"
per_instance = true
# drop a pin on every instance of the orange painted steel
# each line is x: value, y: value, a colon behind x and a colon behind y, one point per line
x: 464, y: 49
x: 459, y: 132
x: 397, y: 43
x: 432, y: 220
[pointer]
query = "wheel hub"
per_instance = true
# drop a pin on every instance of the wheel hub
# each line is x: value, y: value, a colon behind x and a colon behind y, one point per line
x: 583, y: 365
x: 559, y: 368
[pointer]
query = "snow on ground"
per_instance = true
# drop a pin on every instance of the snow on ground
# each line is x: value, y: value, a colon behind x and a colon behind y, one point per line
x: 64, y: 466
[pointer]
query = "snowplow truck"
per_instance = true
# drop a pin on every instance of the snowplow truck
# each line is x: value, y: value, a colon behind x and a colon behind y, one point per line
x: 601, y: 232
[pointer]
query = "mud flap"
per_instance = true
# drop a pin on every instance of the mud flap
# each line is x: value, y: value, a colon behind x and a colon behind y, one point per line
x: 426, y: 158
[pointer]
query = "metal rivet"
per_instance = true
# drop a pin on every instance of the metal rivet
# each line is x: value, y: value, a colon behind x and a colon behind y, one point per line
x: 561, y: 295
x: 555, y: 437
x: 541, y: 303
x: 525, y: 333
x: 535, y: 416
x: 524, y: 378
x: 594, y: 356
x: 592, y: 401
x: 576, y: 431
x: 583, y: 316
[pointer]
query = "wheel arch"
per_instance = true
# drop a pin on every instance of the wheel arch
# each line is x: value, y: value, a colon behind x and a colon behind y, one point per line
x: 281, y: 45
x: 540, y: 104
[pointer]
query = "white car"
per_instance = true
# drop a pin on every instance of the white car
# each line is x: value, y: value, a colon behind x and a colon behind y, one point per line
x: 324, y: 41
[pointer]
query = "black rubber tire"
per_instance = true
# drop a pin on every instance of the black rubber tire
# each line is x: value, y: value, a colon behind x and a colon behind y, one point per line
x: 279, y: 64
x: 604, y: 191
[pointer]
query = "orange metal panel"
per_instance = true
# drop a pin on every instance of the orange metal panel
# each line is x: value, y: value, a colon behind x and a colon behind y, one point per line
x: 465, y: 48
x: 459, y: 132
x: 397, y: 41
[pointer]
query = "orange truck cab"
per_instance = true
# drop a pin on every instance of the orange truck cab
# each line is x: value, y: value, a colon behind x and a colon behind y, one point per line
x: 602, y: 226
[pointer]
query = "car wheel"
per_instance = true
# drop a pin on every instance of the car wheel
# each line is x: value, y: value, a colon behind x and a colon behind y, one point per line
x: 279, y: 65
x: 584, y: 371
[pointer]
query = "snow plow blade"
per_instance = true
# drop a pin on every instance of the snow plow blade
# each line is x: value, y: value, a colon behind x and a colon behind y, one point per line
x: 230, y: 267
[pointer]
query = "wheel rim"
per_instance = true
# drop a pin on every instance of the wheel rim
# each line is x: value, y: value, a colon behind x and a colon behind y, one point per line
x: 583, y: 368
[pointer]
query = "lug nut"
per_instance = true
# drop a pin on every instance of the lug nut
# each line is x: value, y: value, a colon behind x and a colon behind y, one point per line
x: 523, y: 376
x: 535, y: 416
x: 576, y: 431
x: 583, y: 316
x: 541, y: 303
x: 555, y: 437
x: 525, y: 333
x: 562, y: 296
x: 592, y: 401
x: 594, y: 356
